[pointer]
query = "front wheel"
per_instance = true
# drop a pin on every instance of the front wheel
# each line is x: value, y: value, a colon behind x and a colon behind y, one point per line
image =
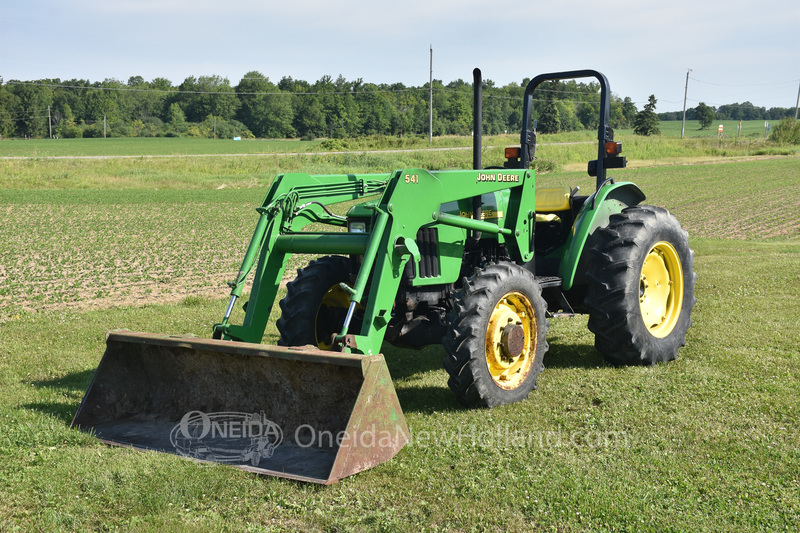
x: 640, y: 291
x: 495, y: 341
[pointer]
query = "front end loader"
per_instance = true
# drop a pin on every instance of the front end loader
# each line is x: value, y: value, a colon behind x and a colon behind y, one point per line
x: 477, y: 261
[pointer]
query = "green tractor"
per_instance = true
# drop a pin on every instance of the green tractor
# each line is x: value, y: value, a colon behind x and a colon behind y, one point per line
x: 475, y: 260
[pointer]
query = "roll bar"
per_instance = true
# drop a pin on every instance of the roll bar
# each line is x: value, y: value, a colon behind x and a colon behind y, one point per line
x: 605, y: 134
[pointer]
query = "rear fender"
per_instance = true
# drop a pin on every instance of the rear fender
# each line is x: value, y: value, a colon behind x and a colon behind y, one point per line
x: 609, y: 199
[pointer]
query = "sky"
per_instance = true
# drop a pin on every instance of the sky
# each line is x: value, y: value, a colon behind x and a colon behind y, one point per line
x: 737, y: 50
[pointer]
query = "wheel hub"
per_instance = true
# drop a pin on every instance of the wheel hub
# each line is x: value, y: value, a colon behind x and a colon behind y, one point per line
x: 511, y: 340
x: 661, y: 289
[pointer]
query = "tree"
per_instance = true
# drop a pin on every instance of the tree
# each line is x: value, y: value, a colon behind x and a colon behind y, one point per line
x: 66, y: 127
x: 376, y: 110
x: 786, y: 132
x: 333, y: 107
x: 100, y: 103
x: 627, y: 113
x: 350, y: 121
x: 705, y: 115
x: 264, y: 110
x: 72, y: 96
x: 568, y: 118
x: 30, y: 109
x: 207, y: 95
x: 147, y: 101
x: 6, y: 107
x: 588, y: 114
x: 495, y: 110
x: 339, y: 108
x: 646, y: 122
x: 176, y: 119
x: 549, y: 118
x: 310, y: 118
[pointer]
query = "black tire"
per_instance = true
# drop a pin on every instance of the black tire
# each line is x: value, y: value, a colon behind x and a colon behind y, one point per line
x: 315, y: 306
x: 486, y: 373
x: 640, y: 291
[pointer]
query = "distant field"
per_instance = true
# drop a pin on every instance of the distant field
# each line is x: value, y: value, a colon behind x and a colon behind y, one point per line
x: 73, y: 248
x: 177, y: 146
x: 141, y: 146
x: 730, y: 128
x: 76, y: 248
x: 170, y: 146
x: 170, y: 163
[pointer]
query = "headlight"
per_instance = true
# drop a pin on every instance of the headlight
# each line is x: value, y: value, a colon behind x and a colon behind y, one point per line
x: 357, y: 227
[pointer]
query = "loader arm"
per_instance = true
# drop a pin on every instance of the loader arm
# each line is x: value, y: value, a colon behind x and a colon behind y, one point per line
x: 410, y: 200
x: 285, y: 198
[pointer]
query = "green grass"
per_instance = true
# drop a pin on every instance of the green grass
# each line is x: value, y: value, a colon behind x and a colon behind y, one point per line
x: 73, y: 247
x: 565, y: 152
x: 141, y: 146
x: 730, y: 128
x: 709, y: 442
x: 737, y: 199
x: 137, y: 146
x: 210, y: 172
x: 174, y: 146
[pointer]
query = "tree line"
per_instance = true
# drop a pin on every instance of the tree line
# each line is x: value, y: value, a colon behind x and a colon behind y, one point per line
x: 735, y: 111
x: 209, y: 106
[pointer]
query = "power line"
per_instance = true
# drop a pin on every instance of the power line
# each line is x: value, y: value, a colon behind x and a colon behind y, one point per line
x: 747, y: 104
x: 745, y: 85
x: 737, y: 105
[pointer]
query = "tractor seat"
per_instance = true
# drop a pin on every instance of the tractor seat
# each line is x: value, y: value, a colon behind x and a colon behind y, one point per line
x: 549, y: 199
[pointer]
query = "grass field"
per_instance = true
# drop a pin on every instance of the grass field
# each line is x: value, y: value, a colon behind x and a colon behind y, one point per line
x: 190, y: 147
x: 162, y: 163
x: 710, y: 442
x: 155, y: 147
x: 730, y: 128
x: 143, y: 146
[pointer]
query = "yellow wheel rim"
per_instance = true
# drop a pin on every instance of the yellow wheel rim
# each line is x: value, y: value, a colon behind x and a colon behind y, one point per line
x: 336, y: 297
x: 511, y: 340
x: 661, y: 289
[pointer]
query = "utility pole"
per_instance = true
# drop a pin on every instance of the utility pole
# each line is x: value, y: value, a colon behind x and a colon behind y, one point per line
x: 104, y: 126
x: 685, y: 93
x: 797, y: 104
x: 430, y: 103
x: 50, y: 122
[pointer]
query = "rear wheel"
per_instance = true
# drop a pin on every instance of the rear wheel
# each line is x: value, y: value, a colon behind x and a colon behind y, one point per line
x: 315, y: 305
x: 641, y: 286
x: 495, y: 340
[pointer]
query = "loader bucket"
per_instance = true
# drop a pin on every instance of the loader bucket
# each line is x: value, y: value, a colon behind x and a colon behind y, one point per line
x: 297, y: 413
